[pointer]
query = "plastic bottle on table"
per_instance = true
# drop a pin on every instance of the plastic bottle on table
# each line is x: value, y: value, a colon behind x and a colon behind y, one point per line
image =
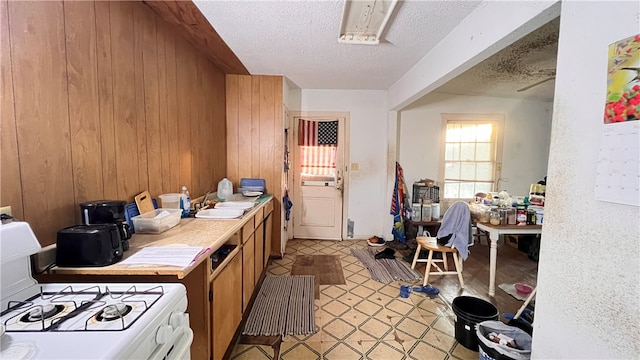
x: 416, y: 214
x: 426, y: 212
x: 185, y: 202
x: 435, y: 212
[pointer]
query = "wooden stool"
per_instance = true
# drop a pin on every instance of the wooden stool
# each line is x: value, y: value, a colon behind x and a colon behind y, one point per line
x: 422, y: 243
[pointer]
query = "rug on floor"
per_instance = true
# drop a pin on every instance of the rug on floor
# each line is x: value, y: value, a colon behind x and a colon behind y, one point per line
x: 385, y: 270
x: 511, y: 290
x: 327, y: 270
x: 284, y: 306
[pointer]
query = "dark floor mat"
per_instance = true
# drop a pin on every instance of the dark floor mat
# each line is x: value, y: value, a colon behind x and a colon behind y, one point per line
x: 327, y: 270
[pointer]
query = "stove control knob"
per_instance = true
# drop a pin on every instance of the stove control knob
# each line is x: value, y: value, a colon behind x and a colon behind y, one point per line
x: 163, y: 335
x: 178, y: 319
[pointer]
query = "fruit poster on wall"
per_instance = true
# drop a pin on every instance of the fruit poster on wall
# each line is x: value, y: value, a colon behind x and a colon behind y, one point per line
x: 618, y: 172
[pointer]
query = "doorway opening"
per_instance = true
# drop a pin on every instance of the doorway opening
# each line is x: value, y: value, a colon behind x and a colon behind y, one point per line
x: 320, y: 179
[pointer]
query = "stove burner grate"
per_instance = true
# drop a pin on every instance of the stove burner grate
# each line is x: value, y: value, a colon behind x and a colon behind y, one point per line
x: 42, y: 312
x: 113, y: 312
x: 61, y: 306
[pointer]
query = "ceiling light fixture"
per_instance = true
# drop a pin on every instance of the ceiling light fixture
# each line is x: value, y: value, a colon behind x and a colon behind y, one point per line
x: 363, y: 21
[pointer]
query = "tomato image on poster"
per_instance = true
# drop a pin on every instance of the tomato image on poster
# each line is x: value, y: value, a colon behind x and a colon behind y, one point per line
x: 623, y: 81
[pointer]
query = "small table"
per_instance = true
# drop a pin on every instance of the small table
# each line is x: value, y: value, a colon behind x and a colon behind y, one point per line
x: 494, y: 234
x: 414, y: 228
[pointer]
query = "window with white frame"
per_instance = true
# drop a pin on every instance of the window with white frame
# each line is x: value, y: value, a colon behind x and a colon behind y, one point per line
x: 471, y: 154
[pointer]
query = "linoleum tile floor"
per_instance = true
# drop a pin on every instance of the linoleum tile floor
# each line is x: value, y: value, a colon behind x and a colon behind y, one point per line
x: 364, y: 319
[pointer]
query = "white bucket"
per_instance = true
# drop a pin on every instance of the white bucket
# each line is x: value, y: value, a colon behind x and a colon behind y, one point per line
x: 431, y: 241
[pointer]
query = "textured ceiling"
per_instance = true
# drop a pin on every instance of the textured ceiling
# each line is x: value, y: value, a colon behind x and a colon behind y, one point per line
x: 298, y: 39
x: 529, y: 61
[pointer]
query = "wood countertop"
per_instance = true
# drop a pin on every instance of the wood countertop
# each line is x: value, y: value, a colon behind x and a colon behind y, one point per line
x: 206, y: 233
x: 511, y: 227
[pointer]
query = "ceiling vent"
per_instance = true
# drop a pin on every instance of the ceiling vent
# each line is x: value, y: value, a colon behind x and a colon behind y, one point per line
x: 363, y: 21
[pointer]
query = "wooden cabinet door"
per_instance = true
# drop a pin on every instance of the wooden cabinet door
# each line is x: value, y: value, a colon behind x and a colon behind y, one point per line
x: 248, y: 270
x: 268, y: 235
x: 259, y: 235
x: 247, y: 230
x: 226, y: 306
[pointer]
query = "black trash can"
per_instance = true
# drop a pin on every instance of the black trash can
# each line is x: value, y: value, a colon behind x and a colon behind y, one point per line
x: 470, y: 311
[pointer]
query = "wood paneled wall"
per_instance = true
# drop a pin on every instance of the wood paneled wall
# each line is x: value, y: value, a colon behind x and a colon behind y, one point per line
x: 102, y: 100
x: 193, y: 26
x: 255, y: 140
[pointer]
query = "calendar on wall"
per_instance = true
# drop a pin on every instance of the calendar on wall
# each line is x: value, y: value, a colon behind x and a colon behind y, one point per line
x: 618, y: 171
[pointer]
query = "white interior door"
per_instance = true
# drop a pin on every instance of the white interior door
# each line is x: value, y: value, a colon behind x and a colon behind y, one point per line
x: 319, y: 184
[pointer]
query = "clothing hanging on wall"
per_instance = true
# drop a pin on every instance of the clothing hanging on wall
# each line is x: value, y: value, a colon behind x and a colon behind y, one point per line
x: 398, y: 205
x: 286, y: 202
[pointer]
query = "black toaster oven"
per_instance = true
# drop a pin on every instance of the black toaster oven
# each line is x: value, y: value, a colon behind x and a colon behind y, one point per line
x: 88, y: 245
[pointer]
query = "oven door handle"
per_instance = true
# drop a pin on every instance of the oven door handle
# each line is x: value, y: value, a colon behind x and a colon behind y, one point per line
x: 183, y: 350
x: 180, y: 349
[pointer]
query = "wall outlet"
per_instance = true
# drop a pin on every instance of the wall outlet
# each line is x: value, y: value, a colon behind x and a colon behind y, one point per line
x: 355, y: 166
x: 6, y: 210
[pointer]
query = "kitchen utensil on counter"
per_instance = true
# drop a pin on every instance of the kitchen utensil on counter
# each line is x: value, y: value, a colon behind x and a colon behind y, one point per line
x: 224, y: 213
x: 143, y: 200
x: 249, y: 193
x: 102, y: 211
x: 107, y: 212
x: 242, y: 205
x: 209, y: 200
x: 204, y: 199
x: 169, y: 201
x: 88, y: 245
x: 185, y: 202
x: 156, y: 221
x: 250, y: 187
x: 131, y: 210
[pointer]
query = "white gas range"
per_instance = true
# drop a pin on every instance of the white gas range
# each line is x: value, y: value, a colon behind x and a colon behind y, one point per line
x: 85, y: 321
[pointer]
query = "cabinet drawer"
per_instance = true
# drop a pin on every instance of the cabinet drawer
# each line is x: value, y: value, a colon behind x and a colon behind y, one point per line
x: 259, y: 216
x: 259, y: 252
x: 248, y: 271
x: 268, y: 208
x: 247, y: 230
